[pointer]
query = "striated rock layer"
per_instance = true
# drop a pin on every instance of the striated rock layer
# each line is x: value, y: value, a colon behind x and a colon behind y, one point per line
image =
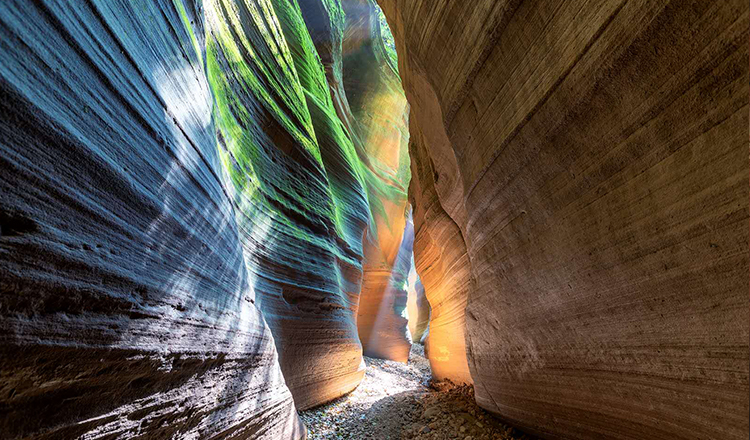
x: 441, y: 260
x: 418, y: 308
x: 422, y: 324
x: 592, y: 156
x: 380, y: 114
x: 126, y: 307
x: 298, y: 183
x: 382, y: 320
x: 184, y: 192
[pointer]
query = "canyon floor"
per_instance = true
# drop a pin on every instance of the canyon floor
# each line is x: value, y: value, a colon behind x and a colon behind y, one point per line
x: 399, y: 401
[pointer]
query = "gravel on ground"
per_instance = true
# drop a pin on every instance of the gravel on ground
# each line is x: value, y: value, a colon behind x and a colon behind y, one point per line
x: 398, y: 401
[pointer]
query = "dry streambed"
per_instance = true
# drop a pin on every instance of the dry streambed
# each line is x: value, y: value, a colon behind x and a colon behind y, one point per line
x: 397, y: 401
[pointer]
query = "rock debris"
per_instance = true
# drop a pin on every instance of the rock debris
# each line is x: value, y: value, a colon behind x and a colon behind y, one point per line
x: 398, y: 401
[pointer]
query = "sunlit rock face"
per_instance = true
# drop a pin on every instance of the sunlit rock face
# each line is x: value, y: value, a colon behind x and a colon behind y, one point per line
x: 442, y: 263
x: 127, y: 309
x: 380, y: 113
x: 299, y: 187
x: 184, y: 193
x: 382, y: 318
x: 419, y: 311
x: 593, y: 158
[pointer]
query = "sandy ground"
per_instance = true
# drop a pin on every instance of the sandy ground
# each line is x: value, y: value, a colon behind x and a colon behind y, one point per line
x: 398, y: 401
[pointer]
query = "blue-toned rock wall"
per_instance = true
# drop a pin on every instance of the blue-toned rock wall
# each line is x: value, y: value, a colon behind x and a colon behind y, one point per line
x: 182, y: 208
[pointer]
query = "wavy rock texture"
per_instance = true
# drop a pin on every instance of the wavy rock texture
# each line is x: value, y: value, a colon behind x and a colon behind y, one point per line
x: 382, y: 318
x: 126, y: 306
x: 603, y: 200
x: 298, y: 184
x: 419, y: 310
x: 378, y: 106
x: 442, y: 263
x: 184, y: 194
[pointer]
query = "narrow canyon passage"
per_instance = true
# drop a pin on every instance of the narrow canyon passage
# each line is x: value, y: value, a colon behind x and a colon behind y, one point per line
x: 399, y: 401
x: 374, y: 219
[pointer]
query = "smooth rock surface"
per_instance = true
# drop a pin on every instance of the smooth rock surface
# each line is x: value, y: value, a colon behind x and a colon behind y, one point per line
x: 382, y: 320
x: 422, y: 325
x: 203, y: 210
x: 593, y: 156
x: 179, y: 178
x: 378, y: 106
x: 418, y: 309
x: 443, y: 266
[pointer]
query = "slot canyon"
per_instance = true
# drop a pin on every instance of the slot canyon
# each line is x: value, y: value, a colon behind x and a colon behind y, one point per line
x: 361, y: 219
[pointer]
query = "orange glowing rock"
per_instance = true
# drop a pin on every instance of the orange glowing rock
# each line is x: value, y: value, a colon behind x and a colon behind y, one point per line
x: 580, y: 198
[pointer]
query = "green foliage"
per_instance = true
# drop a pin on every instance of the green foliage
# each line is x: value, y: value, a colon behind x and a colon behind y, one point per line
x: 387, y: 36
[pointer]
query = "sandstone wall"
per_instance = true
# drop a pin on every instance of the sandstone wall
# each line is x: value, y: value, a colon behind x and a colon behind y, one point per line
x: 382, y: 320
x: 126, y: 307
x: 380, y: 114
x: 298, y: 183
x: 184, y: 191
x: 443, y: 266
x: 593, y: 156
x: 418, y: 309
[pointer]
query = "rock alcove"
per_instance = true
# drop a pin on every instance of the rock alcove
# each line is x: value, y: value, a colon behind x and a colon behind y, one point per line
x: 216, y: 215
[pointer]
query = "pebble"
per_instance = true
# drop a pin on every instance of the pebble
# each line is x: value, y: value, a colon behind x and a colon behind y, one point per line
x: 431, y: 412
x: 400, y: 401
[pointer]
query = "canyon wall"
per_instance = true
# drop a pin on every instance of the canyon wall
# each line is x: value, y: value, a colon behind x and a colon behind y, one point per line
x: 382, y: 319
x: 592, y: 156
x: 203, y: 211
x: 126, y: 306
x: 380, y: 112
x: 418, y: 308
x: 442, y: 263
x: 297, y: 181
x: 423, y: 312
x: 184, y: 192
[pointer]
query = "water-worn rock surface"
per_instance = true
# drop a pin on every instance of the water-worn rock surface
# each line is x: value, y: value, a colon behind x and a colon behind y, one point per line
x: 441, y: 260
x: 382, y: 319
x: 126, y: 307
x: 208, y: 210
x: 418, y: 308
x: 379, y: 106
x: 177, y: 178
x: 592, y: 157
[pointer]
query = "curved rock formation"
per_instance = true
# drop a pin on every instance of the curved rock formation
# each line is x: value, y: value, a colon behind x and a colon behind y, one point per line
x: 382, y: 320
x: 603, y: 199
x: 443, y: 266
x: 297, y: 181
x: 169, y: 171
x: 419, y: 311
x: 126, y: 307
x: 380, y: 113
x: 198, y: 198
